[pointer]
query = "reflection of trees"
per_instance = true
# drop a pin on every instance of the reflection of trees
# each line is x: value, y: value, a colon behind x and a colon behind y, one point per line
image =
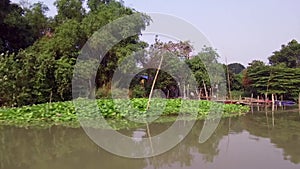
x: 285, y: 134
x: 55, y: 148
x: 60, y: 147
x: 183, y: 152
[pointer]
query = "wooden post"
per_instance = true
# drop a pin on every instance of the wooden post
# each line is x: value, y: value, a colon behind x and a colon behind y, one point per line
x: 200, y: 93
x: 184, y: 93
x: 188, y: 91
x: 168, y: 93
x: 266, y: 98
x: 197, y: 93
x: 228, y: 80
x: 273, y: 99
x: 266, y: 110
x: 273, y: 117
x: 299, y: 101
x: 251, y: 99
x: 205, y: 89
x: 50, y: 101
x: 153, y: 83
x: 149, y: 100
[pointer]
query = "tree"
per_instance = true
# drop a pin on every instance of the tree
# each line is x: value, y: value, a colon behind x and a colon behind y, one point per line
x: 171, y: 55
x: 278, y: 79
x: 95, y: 4
x: 15, y: 33
x: 254, y: 66
x: 43, y: 71
x: 69, y: 9
x: 288, y: 54
x: 236, y: 68
x: 21, y: 27
x: 37, y: 19
x: 208, y: 72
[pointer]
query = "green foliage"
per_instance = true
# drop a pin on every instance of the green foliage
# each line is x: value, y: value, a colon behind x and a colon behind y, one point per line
x: 138, y: 92
x: 63, y: 113
x: 278, y: 79
x: 43, y: 71
x: 15, y: 31
x: 206, y: 69
x: 236, y: 68
x: 69, y: 9
x: 235, y: 75
x: 236, y: 94
x: 289, y: 55
x: 37, y: 20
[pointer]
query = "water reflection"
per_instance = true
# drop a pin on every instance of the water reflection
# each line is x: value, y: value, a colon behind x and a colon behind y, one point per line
x: 246, y: 142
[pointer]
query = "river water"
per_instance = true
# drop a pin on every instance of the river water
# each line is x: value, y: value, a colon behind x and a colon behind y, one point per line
x: 258, y: 140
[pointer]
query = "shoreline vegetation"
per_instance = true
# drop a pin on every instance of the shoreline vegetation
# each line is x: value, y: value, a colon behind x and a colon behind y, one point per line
x: 64, y: 114
x: 38, y: 56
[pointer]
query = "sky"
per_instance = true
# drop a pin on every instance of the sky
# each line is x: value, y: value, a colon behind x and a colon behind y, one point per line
x: 240, y: 30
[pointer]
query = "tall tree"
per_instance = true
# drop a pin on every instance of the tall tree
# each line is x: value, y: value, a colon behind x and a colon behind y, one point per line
x: 37, y: 19
x: 278, y: 79
x: 44, y: 70
x: 254, y: 66
x: 288, y: 54
x: 15, y: 33
x: 95, y: 4
x: 69, y: 9
x: 236, y: 68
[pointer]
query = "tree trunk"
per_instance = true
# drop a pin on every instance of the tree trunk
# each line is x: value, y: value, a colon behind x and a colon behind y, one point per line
x: 205, y: 89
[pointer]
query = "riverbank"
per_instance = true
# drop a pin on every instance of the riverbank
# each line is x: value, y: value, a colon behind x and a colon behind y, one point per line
x: 63, y: 113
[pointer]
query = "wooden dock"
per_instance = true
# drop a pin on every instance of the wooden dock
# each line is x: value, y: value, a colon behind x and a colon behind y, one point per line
x: 246, y: 101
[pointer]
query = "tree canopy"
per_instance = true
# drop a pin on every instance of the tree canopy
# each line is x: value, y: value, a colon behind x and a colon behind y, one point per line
x: 40, y: 68
x: 288, y: 54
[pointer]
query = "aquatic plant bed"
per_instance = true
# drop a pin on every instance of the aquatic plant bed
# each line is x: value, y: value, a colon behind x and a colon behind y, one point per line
x: 64, y: 113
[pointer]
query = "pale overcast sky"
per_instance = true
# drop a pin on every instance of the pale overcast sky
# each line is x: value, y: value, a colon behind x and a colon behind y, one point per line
x: 241, y: 30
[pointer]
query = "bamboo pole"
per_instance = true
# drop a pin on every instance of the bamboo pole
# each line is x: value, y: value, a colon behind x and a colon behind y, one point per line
x: 198, y: 93
x: 184, y: 93
x: 153, y: 83
x: 188, y: 91
x: 205, y: 89
x: 273, y: 117
x: 266, y: 110
x: 228, y: 79
x: 50, y: 101
x: 299, y: 101
x: 266, y: 98
x: 149, y: 100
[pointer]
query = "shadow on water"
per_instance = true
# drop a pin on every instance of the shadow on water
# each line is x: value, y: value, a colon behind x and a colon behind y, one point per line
x: 251, y: 141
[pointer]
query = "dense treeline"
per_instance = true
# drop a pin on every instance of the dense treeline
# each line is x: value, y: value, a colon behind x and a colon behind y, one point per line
x: 281, y: 77
x: 38, y: 52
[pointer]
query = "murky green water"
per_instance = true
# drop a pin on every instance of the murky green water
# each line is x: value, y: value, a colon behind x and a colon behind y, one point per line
x: 256, y: 141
